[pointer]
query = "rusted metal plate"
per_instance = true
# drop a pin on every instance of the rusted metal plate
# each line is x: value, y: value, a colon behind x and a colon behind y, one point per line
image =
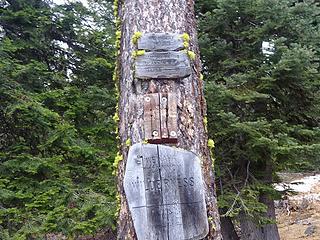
x: 162, y: 65
x: 165, y: 193
x: 160, y: 42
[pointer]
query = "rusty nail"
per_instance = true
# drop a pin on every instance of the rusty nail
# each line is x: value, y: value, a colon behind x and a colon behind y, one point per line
x: 147, y: 99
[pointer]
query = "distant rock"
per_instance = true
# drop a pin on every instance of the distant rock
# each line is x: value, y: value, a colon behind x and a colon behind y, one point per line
x: 310, y: 230
x: 303, y: 222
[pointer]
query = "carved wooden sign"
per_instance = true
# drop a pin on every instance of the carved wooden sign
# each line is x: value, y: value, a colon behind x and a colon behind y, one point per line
x: 160, y: 117
x: 165, y: 193
x: 168, y: 64
x: 160, y: 42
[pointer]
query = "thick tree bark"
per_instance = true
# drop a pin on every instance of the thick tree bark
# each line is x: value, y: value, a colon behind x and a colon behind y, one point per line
x: 249, y: 229
x: 175, y: 16
x: 227, y: 228
x: 269, y: 231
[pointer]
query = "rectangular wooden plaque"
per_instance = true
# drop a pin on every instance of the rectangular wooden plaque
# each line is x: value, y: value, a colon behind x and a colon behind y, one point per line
x: 162, y: 65
x: 172, y: 116
x: 160, y: 42
x: 165, y: 193
x: 160, y: 117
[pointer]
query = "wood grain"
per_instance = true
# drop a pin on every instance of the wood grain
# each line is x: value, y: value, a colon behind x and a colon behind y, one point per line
x: 172, y: 116
x: 160, y: 42
x: 162, y: 65
x: 165, y: 193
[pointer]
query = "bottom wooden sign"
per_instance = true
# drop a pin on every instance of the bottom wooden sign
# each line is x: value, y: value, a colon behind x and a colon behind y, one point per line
x: 165, y: 193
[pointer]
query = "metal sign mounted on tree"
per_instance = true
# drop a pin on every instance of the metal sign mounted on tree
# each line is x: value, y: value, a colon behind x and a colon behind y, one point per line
x: 163, y: 105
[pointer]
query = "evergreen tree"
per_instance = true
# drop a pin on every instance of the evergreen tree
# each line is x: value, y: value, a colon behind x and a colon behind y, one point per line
x: 136, y: 18
x: 263, y: 110
x: 57, y: 140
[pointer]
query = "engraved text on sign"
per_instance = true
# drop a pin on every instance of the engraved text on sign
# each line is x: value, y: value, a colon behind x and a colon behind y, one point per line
x: 163, y: 65
x: 160, y: 42
x: 164, y: 188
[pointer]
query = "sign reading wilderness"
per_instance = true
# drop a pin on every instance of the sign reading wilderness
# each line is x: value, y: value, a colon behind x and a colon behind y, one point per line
x: 164, y: 189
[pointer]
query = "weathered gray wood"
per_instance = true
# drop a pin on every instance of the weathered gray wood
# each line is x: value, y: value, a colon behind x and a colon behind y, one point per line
x: 160, y: 42
x: 160, y: 117
x: 163, y: 115
x: 155, y: 119
x: 165, y: 193
x: 162, y: 65
x: 147, y: 109
x: 172, y: 115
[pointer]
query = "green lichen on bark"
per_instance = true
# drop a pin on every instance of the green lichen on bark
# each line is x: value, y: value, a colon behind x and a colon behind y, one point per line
x: 136, y: 37
x: 186, y: 40
x: 137, y: 53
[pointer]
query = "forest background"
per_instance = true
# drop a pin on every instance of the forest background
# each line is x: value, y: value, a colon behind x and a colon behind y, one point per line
x: 58, y: 138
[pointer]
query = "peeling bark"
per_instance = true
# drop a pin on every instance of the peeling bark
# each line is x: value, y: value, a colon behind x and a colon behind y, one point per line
x: 174, y: 16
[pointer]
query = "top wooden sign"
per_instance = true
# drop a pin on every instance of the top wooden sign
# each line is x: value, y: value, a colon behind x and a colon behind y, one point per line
x: 160, y: 42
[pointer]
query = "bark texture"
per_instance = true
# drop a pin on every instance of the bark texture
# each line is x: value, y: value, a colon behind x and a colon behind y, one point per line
x: 270, y: 231
x: 249, y: 229
x: 174, y: 16
x: 227, y: 229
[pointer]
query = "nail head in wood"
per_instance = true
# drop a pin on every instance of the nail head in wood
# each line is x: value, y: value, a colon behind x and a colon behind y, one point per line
x: 173, y: 134
x: 164, y: 99
x: 147, y: 99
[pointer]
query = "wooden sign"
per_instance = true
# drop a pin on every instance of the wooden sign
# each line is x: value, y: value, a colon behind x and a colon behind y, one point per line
x: 160, y: 42
x: 165, y: 193
x: 168, y: 64
x: 160, y: 117
x: 151, y: 117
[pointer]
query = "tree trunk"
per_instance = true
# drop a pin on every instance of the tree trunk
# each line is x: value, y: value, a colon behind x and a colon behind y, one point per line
x: 269, y: 231
x: 249, y: 229
x: 174, y: 16
x: 227, y: 228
